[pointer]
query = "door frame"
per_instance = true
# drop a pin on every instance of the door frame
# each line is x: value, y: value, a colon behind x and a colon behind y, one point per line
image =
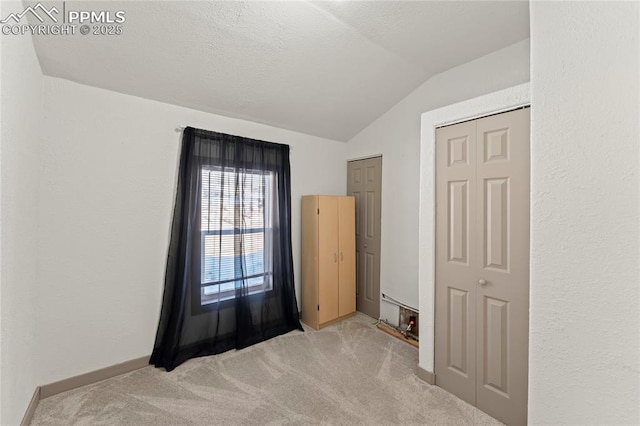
x: 492, y: 103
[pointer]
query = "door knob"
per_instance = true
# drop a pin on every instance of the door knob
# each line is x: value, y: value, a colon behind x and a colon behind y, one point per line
x: 365, y: 246
x: 482, y: 282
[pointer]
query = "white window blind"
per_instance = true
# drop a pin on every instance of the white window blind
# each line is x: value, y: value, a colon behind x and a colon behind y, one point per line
x: 235, y: 221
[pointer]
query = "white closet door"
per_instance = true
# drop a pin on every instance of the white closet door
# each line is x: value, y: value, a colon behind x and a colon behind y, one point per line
x: 482, y: 263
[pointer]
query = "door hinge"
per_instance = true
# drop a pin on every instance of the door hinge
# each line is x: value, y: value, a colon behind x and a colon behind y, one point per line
x: 318, y: 307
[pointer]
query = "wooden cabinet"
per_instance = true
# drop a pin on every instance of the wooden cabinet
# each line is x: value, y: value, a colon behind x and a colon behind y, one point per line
x: 328, y: 259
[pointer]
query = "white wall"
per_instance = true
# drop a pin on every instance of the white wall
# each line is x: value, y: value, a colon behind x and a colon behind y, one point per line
x: 396, y: 135
x: 108, y: 180
x: 585, y: 311
x: 20, y: 118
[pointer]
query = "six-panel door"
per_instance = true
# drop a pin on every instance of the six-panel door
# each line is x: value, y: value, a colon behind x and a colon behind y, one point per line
x: 364, y: 183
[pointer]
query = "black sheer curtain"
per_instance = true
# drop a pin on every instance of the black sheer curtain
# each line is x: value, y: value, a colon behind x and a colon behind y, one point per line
x: 229, y: 274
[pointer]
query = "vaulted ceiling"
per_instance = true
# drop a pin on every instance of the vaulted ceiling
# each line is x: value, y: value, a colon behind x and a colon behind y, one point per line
x: 322, y: 68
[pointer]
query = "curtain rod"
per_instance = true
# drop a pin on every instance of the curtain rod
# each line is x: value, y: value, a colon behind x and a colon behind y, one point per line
x: 181, y: 128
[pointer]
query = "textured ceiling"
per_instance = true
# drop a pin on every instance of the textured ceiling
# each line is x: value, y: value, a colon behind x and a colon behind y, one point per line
x: 322, y: 68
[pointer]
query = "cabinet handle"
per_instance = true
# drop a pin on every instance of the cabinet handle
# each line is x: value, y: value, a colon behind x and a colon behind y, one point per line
x: 335, y: 257
x: 342, y: 256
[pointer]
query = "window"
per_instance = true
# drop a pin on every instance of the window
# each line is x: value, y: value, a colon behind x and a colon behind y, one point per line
x: 235, y: 226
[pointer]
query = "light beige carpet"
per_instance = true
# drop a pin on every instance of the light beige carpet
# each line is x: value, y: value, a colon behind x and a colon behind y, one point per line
x: 348, y: 373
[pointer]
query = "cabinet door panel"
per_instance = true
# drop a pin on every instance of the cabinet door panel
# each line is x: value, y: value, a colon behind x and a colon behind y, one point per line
x: 328, y: 282
x: 309, y: 288
x: 347, y: 261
